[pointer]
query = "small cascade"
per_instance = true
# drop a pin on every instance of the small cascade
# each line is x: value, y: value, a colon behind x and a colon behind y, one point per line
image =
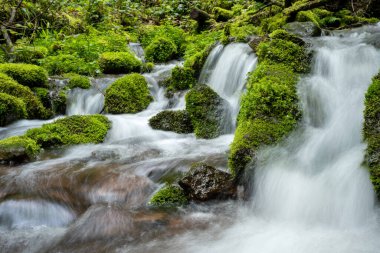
x: 138, y: 50
x: 225, y: 71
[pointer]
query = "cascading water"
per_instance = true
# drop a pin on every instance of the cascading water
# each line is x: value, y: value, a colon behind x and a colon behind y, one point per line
x: 225, y: 71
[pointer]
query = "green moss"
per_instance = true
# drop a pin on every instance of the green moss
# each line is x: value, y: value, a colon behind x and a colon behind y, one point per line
x: 175, y: 121
x: 43, y: 96
x: 11, y: 109
x: 30, y: 54
x: 168, y: 196
x: 309, y: 15
x: 161, y: 50
x: 59, y: 101
x: 272, y: 23
x: 182, y: 78
x: 129, y: 94
x: 69, y: 63
x: 34, y: 106
x: 286, y: 52
x: 284, y: 35
x: 221, y: 14
x: 26, y: 74
x: 71, y: 130
x: 119, y: 62
x: 18, y: 149
x: 78, y: 81
x: 148, y: 67
x: 205, y: 108
x: 371, y: 131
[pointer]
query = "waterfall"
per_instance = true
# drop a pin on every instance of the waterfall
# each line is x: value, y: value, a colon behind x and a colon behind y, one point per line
x: 225, y: 71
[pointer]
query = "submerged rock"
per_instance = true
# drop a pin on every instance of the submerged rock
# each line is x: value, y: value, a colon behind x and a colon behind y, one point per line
x: 204, y: 183
x: 303, y: 29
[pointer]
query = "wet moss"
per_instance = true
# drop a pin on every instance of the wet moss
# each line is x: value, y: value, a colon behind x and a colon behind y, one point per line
x: 71, y: 130
x: 221, y: 14
x: 78, y: 81
x: 182, y: 78
x: 30, y: 54
x: 205, y: 108
x: 129, y: 94
x: 11, y: 109
x: 26, y: 74
x: 34, y: 107
x: 119, y: 62
x: 168, y: 196
x: 18, y: 149
x: 175, y: 121
x: 161, y: 50
x: 371, y: 131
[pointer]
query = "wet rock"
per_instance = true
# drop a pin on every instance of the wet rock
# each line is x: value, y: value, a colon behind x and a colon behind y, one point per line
x: 255, y: 41
x: 204, y: 183
x: 176, y: 121
x: 374, y: 40
x: 303, y: 29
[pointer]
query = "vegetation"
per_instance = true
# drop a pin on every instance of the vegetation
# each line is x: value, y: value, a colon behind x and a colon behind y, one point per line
x: 78, y: 81
x: 175, y: 121
x: 205, y: 108
x: 129, y: 94
x: 119, y: 62
x: 182, y: 78
x: 18, y: 149
x: 371, y: 131
x: 71, y: 130
x: 168, y: 196
x: 161, y: 50
x: 26, y: 74
x: 11, y: 109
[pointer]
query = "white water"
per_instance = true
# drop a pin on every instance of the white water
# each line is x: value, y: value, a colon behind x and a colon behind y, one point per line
x: 225, y: 71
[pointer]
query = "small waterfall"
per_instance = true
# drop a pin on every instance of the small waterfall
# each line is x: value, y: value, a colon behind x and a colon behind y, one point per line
x: 225, y: 71
x: 138, y: 50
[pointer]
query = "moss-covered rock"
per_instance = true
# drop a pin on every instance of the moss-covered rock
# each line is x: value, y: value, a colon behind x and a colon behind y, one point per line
x: 43, y: 95
x: 11, y: 109
x: 269, y: 112
x: 221, y: 14
x: 29, y: 54
x: 168, y: 196
x: 71, y: 130
x: 129, y: 94
x: 282, y: 34
x: 372, y: 131
x: 286, y: 52
x: 18, y: 149
x: 78, y: 81
x: 161, y: 50
x: 59, y: 102
x: 205, y: 108
x: 26, y: 74
x: 182, y: 78
x: 119, y: 62
x: 175, y: 121
x: 34, y: 106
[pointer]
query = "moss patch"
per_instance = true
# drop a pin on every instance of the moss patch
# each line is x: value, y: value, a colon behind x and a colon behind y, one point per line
x: 26, y: 74
x: 119, y: 62
x: 71, y: 130
x: 372, y: 131
x: 78, y: 81
x: 161, y: 50
x: 129, y: 94
x: 18, y: 149
x: 168, y: 196
x: 11, y: 109
x: 175, y: 121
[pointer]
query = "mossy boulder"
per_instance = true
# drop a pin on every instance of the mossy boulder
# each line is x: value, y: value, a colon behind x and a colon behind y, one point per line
x: 18, y: 149
x: 43, y: 95
x: 371, y: 131
x: 269, y: 112
x: 286, y: 52
x: 205, y: 108
x: 204, y: 182
x: 182, y: 78
x: 175, y: 121
x: 119, y: 63
x: 59, y: 102
x: 304, y: 29
x: 78, y: 81
x: 282, y: 34
x: 221, y: 14
x: 168, y: 196
x: 129, y: 94
x: 26, y: 74
x: 71, y: 130
x: 161, y: 50
x: 34, y: 107
x: 11, y: 109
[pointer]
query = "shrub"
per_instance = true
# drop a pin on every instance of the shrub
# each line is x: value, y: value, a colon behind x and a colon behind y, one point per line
x: 71, y: 130
x: 205, y: 108
x: 175, y: 121
x: 371, y: 131
x: 119, y: 62
x: 18, y: 149
x: 26, y: 74
x: 30, y: 54
x: 169, y: 196
x: 11, y: 109
x: 161, y: 50
x: 34, y: 106
x: 129, y: 94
